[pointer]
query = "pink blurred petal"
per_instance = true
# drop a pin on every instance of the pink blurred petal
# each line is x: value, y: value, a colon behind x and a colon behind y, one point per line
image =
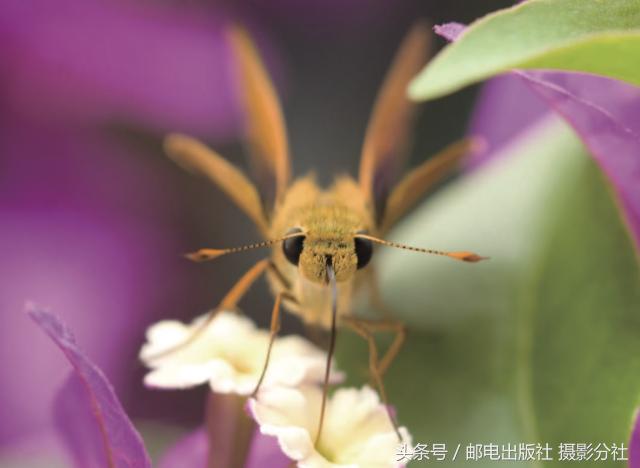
x: 43, y: 448
x: 265, y: 451
x: 164, y: 66
x: 450, y: 31
x: 79, y: 429
x: 83, y: 230
x: 95, y: 426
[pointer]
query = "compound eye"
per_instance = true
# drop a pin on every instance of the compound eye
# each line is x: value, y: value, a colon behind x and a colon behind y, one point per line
x: 364, y: 250
x: 292, y: 247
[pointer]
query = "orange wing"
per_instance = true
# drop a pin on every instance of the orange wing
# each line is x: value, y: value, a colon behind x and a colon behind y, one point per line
x: 387, y: 137
x: 414, y: 185
x: 265, y: 127
x: 197, y: 157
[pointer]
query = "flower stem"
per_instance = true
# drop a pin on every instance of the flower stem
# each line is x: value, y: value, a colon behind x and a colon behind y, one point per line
x: 230, y: 431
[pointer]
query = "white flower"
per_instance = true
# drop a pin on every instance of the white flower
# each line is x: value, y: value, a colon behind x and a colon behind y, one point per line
x: 230, y: 355
x: 357, y: 431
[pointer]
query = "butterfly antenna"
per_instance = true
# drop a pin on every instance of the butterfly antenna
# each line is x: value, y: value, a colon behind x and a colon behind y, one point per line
x: 464, y: 256
x: 204, y: 255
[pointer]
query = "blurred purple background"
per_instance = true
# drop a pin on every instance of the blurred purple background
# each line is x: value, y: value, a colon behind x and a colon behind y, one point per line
x: 93, y: 218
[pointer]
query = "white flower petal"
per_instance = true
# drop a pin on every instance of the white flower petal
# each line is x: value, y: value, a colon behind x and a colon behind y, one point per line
x: 164, y: 335
x: 187, y: 376
x: 230, y: 355
x: 357, y: 431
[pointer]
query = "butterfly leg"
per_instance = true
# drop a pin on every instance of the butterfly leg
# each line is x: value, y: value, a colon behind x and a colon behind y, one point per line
x: 273, y: 332
x: 377, y: 367
x: 283, y: 294
x: 229, y: 302
x: 386, y: 324
x: 399, y: 331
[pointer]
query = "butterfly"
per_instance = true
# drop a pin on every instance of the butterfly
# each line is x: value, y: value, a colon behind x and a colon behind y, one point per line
x: 322, y: 239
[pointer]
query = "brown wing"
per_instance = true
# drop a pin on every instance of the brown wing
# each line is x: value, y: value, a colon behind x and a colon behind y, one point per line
x: 413, y: 186
x: 197, y: 157
x: 387, y: 136
x: 265, y: 127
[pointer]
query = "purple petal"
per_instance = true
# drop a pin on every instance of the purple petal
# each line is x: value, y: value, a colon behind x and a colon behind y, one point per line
x: 450, y: 31
x: 192, y: 451
x: 605, y: 114
x: 166, y: 67
x: 75, y: 421
x: 634, y: 444
x: 265, y: 451
x: 43, y: 448
x: 506, y: 106
x: 94, y: 424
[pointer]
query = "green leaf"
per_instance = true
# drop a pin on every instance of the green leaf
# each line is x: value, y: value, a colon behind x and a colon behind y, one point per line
x: 541, y: 342
x: 594, y: 36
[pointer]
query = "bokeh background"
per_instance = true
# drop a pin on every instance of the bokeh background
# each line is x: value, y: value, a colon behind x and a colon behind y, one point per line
x: 94, y: 218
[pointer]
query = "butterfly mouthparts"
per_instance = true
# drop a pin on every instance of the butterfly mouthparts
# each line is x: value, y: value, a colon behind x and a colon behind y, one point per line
x: 331, y: 273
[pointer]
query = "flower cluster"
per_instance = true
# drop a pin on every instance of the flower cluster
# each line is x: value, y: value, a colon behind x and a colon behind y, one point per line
x: 229, y: 355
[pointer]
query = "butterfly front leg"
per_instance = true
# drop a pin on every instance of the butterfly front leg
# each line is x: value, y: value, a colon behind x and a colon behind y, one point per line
x: 275, y: 323
x: 229, y: 302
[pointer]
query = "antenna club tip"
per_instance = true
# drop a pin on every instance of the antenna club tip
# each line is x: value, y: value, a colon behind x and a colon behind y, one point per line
x: 194, y: 257
x: 468, y: 257
x: 204, y: 255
